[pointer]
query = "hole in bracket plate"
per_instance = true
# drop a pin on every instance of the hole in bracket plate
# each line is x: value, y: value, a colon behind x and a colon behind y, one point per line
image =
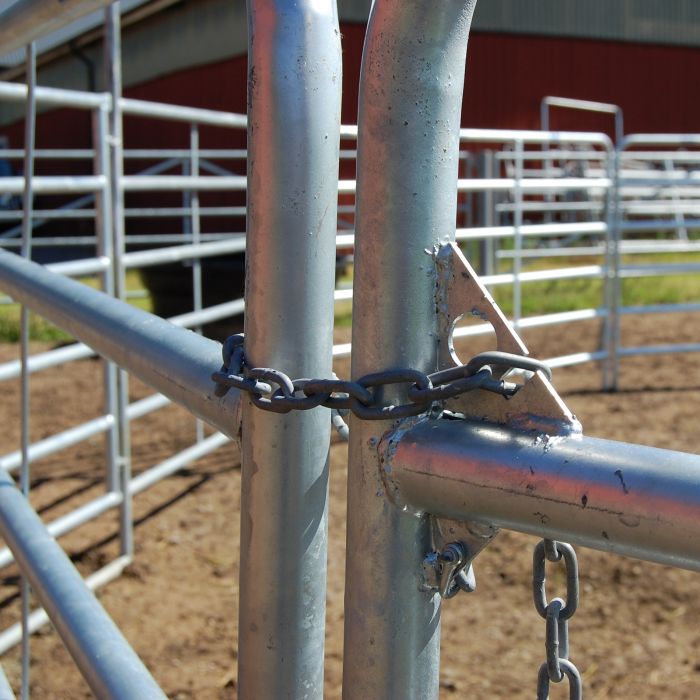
x: 470, y: 335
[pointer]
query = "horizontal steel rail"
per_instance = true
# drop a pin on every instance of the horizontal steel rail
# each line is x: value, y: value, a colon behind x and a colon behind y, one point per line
x: 531, y: 137
x: 137, y: 484
x: 582, y: 105
x: 178, y: 183
x: 38, y: 618
x: 174, y: 361
x: 160, y: 110
x: 628, y: 499
x: 80, y: 351
x: 533, y: 230
x: 142, y: 108
x: 6, y: 691
x: 56, y: 184
x: 104, y: 657
x: 55, y: 97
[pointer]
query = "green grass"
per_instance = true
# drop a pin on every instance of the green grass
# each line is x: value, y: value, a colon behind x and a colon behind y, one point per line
x: 553, y: 296
x: 544, y: 297
x: 42, y: 330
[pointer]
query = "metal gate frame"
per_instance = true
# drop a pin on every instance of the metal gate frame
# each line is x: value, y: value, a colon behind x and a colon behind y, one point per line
x: 403, y: 475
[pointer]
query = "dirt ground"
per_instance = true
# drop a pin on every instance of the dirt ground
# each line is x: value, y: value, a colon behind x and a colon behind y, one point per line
x: 635, y: 635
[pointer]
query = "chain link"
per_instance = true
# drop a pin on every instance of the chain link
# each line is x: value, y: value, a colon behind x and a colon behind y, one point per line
x: 272, y: 390
x: 556, y: 614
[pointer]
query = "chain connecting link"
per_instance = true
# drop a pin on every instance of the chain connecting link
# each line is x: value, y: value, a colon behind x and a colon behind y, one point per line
x: 360, y: 396
x: 556, y: 613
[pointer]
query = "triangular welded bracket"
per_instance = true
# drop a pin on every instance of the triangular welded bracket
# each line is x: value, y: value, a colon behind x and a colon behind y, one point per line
x: 536, y: 406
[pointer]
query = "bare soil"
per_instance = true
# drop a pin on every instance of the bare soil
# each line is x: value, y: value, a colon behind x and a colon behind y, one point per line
x: 635, y: 635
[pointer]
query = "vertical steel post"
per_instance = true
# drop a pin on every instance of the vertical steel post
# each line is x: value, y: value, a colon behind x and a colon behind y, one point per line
x: 195, y: 226
x: 112, y: 58
x: 486, y: 168
x: 408, y: 148
x: 518, y: 234
x: 196, y: 231
x: 103, y: 231
x: 27, y: 229
x: 294, y: 87
x: 618, y: 214
x: 609, y: 330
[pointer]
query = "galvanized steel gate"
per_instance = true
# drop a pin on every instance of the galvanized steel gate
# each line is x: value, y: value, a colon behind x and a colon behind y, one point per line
x: 425, y: 492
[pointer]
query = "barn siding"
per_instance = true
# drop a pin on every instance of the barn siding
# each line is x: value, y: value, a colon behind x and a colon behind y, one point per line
x: 653, y: 21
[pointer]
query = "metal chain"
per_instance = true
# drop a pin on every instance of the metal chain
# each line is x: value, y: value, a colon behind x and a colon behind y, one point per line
x: 358, y: 396
x: 556, y: 613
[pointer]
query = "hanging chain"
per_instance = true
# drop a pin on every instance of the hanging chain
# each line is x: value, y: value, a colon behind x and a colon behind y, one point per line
x: 358, y: 396
x: 556, y: 613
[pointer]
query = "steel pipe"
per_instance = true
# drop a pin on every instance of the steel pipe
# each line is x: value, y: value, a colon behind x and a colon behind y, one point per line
x: 38, y: 618
x: 94, y: 508
x: 109, y: 665
x: 408, y: 151
x: 628, y: 499
x: 527, y: 136
x: 191, y: 115
x: 55, y: 184
x: 57, y: 97
x: 177, y: 183
x: 175, y: 362
x: 79, y: 351
x: 294, y: 66
x: 584, y: 105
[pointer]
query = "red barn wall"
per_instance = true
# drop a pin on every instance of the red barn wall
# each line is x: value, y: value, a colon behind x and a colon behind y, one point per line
x: 507, y: 76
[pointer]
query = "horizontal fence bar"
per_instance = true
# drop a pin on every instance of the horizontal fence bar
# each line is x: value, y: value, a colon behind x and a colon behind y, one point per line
x: 56, y: 184
x: 72, y: 436
x: 176, y: 362
x: 659, y: 309
x: 6, y: 692
x: 581, y: 272
x: 71, y: 520
x: 157, y: 153
x: 104, y: 657
x: 178, y: 183
x: 659, y: 225
x: 587, y: 105
x: 557, y: 154
x: 46, y: 360
x: 659, y: 349
x: 192, y: 115
x: 173, y: 464
x: 141, y: 108
x: 636, y: 140
x: 38, y: 618
x: 558, y: 229
x: 658, y: 270
x: 534, y: 185
x: 528, y: 136
x: 576, y: 358
x: 60, y: 441
x: 49, y: 153
x: 628, y: 499
x: 80, y: 351
x: 552, y: 319
x: 49, y: 215
x: 143, y: 481
x: 161, y: 256
x: 675, y: 156
x: 56, y: 97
